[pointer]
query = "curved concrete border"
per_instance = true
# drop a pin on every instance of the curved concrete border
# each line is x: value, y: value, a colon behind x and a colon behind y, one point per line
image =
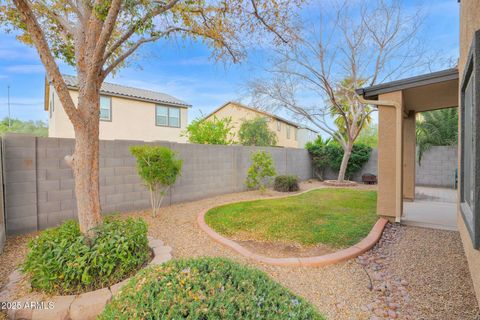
x: 84, y: 306
x: 354, y: 251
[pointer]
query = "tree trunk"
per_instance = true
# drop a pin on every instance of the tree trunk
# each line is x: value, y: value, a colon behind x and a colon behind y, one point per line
x: 85, y: 165
x: 347, y: 152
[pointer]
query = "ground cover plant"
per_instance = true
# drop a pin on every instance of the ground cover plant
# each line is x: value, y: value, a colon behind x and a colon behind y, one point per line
x: 206, y: 288
x: 63, y: 261
x: 334, y: 217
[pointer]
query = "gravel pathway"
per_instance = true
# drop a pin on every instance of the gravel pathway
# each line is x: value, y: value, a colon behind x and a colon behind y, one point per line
x: 416, y: 273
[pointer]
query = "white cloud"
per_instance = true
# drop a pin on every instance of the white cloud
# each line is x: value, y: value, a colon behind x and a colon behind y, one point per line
x: 25, y: 68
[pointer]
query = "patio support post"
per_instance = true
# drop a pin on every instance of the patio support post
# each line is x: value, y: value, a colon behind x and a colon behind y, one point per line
x: 409, y: 156
x: 390, y: 154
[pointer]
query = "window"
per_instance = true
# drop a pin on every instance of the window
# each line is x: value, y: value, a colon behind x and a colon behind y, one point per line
x: 296, y: 133
x: 105, y: 108
x: 167, y: 116
x: 51, y: 102
x: 288, y: 132
x: 470, y: 143
x: 279, y: 125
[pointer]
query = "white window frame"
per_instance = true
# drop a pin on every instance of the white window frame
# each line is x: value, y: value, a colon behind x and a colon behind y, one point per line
x: 110, y: 111
x: 168, y: 124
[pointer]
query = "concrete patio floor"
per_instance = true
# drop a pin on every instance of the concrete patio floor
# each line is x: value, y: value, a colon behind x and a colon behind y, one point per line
x: 433, y: 208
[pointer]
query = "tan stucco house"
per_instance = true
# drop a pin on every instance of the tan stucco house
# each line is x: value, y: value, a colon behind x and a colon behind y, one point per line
x: 126, y: 113
x: 289, y: 134
x: 399, y: 101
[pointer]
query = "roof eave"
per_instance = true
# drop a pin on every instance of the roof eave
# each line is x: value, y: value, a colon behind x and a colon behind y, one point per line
x: 173, y: 104
x: 417, y: 81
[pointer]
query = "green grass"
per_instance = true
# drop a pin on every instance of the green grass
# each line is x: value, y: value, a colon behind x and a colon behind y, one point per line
x: 334, y: 217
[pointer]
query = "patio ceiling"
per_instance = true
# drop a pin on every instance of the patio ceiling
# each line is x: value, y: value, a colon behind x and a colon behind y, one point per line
x: 426, y: 92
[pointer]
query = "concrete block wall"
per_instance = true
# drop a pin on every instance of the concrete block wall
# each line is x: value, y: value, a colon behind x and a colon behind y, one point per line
x: 39, y: 186
x: 437, y: 167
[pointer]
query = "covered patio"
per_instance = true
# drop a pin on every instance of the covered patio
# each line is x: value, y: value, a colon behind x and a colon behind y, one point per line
x: 398, y: 102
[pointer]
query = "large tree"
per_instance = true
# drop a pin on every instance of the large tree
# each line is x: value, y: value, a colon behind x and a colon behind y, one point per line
x: 355, y: 44
x: 97, y: 37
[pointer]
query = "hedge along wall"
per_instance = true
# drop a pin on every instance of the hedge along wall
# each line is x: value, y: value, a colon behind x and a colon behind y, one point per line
x: 39, y: 190
x: 437, y: 168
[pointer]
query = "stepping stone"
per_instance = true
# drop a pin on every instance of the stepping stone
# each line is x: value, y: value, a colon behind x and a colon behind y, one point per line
x: 161, y: 250
x: 162, y: 258
x: 155, y: 243
x: 88, y: 306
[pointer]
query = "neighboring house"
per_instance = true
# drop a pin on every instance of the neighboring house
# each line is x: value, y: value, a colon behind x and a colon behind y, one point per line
x: 125, y: 113
x: 398, y: 102
x: 289, y: 134
x: 306, y: 135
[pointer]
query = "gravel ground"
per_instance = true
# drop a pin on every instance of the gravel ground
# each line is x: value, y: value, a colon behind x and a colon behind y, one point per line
x: 431, y: 263
x: 434, y: 265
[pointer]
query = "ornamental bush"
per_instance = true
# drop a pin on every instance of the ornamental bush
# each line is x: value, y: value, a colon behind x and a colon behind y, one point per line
x: 255, y: 132
x: 159, y: 168
x: 260, y: 173
x: 330, y: 155
x: 286, y: 184
x: 206, y: 288
x: 63, y: 261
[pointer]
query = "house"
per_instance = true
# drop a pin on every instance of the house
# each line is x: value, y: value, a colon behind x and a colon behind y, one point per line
x: 289, y: 134
x: 125, y: 113
x: 399, y: 101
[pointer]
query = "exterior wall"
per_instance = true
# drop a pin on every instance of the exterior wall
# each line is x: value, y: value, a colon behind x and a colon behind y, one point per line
x: 40, y: 191
x: 239, y: 114
x: 469, y: 23
x: 131, y: 120
x: 438, y: 166
x: 305, y: 135
x: 387, y: 151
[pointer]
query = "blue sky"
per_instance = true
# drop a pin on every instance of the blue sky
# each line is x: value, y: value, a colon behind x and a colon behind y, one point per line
x: 184, y: 70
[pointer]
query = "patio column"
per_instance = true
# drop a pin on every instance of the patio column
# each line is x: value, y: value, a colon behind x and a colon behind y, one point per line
x: 409, y: 156
x: 389, y: 198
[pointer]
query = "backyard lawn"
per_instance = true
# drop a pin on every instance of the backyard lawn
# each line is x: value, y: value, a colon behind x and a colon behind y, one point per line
x: 329, y: 216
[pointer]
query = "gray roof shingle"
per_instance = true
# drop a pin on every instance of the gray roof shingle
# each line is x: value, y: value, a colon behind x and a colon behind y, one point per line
x: 129, y: 92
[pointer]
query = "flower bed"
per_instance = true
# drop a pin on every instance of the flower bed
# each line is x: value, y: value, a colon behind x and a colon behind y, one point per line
x: 206, y: 288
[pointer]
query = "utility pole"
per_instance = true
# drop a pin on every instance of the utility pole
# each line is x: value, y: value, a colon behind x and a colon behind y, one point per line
x: 8, y: 104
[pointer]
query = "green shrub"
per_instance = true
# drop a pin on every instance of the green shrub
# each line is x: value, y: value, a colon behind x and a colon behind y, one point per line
x: 159, y: 169
x: 62, y: 261
x: 255, y: 132
x: 261, y: 171
x: 331, y: 155
x: 286, y: 183
x: 210, y: 131
x: 205, y: 288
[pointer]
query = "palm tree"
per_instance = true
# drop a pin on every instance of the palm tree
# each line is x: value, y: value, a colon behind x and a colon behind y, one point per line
x: 436, y: 128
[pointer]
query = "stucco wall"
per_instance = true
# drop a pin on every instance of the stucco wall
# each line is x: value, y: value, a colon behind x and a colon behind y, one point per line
x: 39, y: 184
x: 239, y: 114
x: 469, y: 23
x: 131, y: 120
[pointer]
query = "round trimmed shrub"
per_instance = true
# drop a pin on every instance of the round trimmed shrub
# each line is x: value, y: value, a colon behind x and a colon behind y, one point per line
x: 62, y: 261
x: 205, y: 288
x: 286, y: 184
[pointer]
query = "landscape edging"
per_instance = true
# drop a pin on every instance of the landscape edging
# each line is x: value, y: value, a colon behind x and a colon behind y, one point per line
x: 316, y: 261
x: 83, y: 306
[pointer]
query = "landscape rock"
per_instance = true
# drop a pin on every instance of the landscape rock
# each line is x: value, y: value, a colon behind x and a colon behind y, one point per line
x: 88, y: 306
x: 60, y: 310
